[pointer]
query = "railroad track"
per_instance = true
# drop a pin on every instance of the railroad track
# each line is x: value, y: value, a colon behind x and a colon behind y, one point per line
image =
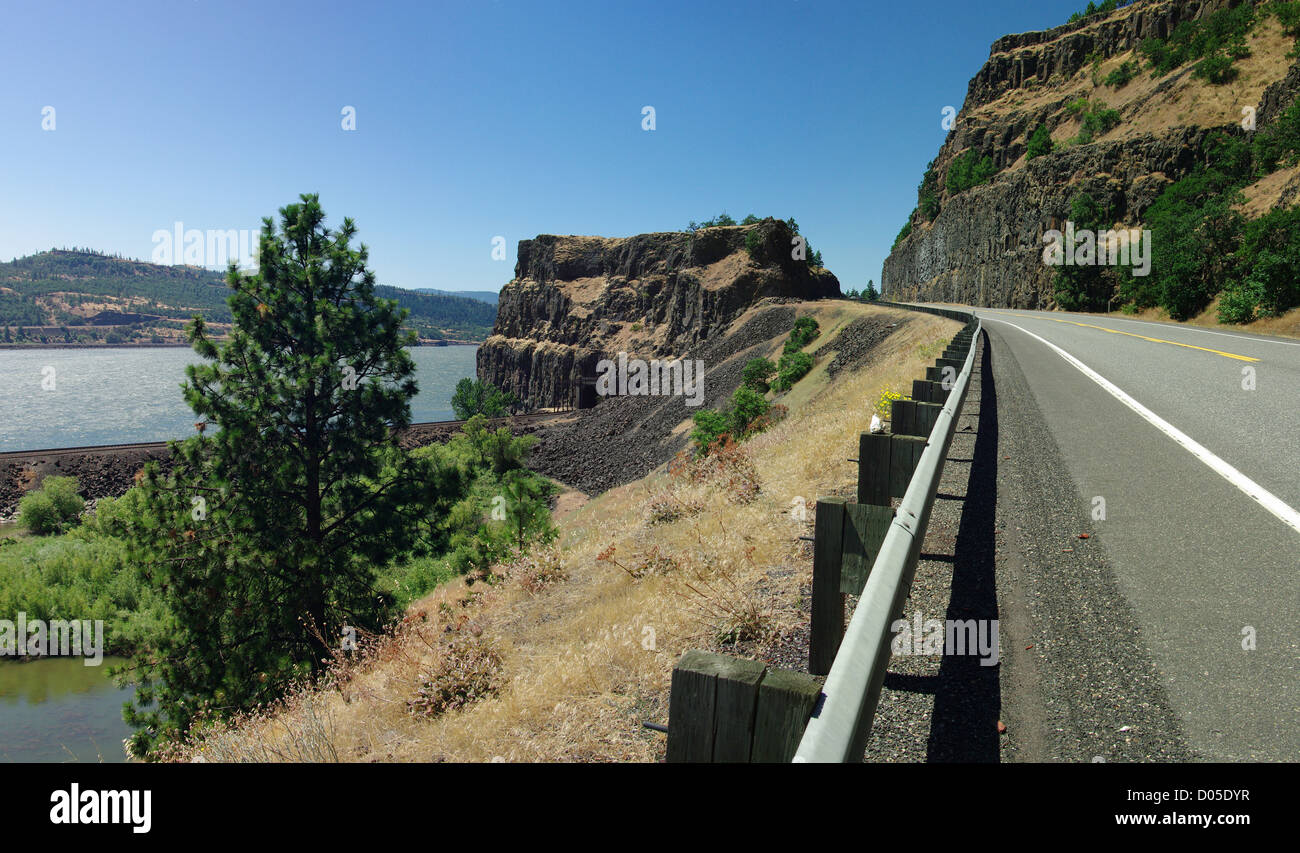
x: 162, y: 445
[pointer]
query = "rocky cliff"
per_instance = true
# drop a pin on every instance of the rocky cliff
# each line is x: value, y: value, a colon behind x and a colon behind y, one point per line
x: 984, y: 245
x: 576, y: 300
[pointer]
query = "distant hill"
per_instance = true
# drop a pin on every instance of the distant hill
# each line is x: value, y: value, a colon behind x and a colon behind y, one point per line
x: 87, y: 296
x: 488, y: 296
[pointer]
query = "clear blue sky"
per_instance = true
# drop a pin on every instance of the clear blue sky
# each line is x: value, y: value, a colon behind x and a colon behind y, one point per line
x: 477, y: 119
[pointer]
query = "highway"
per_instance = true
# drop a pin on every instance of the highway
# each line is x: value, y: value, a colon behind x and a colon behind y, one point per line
x: 1192, y: 439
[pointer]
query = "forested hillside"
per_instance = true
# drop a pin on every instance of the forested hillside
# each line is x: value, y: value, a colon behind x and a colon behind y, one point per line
x: 81, y: 295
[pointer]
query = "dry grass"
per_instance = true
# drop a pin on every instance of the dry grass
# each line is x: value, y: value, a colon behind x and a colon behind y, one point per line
x: 576, y: 663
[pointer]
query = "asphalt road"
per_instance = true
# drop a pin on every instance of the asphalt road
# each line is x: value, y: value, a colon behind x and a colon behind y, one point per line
x: 1200, y: 539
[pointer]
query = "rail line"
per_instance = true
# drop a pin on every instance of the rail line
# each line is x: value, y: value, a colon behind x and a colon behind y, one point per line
x: 162, y: 445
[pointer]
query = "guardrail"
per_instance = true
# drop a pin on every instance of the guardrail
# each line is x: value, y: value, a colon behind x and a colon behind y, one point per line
x: 723, y: 708
x: 841, y: 722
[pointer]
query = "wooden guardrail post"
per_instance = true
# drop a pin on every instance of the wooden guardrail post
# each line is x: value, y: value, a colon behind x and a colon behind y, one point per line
x: 908, y: 417
x: 926, y: 391
x: 885, y: 465
x: 711, y: 707
x: 727, y: 709
x: 785, y: 702
x: 827, y: 627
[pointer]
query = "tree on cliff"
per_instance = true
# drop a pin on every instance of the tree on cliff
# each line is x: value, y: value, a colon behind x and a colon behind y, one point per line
x: 264, y: 536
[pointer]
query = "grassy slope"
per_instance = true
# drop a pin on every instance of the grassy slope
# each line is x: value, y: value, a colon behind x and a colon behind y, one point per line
x: 579, y: 679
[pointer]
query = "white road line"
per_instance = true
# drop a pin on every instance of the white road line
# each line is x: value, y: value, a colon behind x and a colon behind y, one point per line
x: 1167, y: 326
x: 1249, y: 487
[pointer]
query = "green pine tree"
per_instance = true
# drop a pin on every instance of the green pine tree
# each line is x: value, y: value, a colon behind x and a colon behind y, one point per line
x: 265, y: 535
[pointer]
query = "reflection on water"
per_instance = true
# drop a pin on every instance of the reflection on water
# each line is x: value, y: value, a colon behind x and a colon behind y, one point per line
x: 59, y: 709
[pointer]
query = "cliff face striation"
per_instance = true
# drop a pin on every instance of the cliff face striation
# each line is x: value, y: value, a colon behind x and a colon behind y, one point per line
x: 983, y: 244
x: 576, y: 300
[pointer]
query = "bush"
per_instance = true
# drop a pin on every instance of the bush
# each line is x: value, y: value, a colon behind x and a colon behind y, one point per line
x: 1216, y: 68
x: 902, y: 235
x: 758, y: 374
x: 929, y: 196
x: 969, y: 170
x: 1038, y: 142
x: 710, y: 425
x: 476, y: 397
x: 468, y: 670
x: 792, y: 367
x: 52, y: 508
x: 1217, y: 39
x: 747, y: 406
x: 1236, y: 305
x: 753, y: 244
x: 804, y: 332
x: 1120, y: 77
x: 1095, y: 118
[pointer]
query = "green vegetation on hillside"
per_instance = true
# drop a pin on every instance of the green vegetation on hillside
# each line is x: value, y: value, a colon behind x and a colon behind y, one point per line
x: 752, y: 239
x: 1095, y: 119
x: 967, y: 170
x: 1203, y: 247
x: 46, y: 289
x: 1038, y: 142
x: 749, y: 412
x: 1103, y: 8
x: 1217, y: 40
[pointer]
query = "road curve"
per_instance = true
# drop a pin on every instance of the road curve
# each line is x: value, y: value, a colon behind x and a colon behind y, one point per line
x: 1192, y: 439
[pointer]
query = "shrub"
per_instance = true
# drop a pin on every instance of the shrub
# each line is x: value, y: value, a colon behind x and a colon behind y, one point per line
x: 968, y: 170
x: 467, y: 672
x: 757, y: 374
x: 747, y: 405
x: 804, y: 332
x: 52, y: 508
x: 1236, y: 305
x: 1038, y: 142
x: 1120, y: 77
x: 792, y: 367
x: 710, y: 425
x: 753, y: 244
x: 902, y: 235
x: 1095, y: 119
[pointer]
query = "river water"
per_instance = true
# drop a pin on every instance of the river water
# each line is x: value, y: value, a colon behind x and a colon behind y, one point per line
x: 106, y: 395
x: 59, y: 709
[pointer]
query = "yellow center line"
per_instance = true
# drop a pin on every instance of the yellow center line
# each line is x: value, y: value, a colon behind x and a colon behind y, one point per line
x: 1143, y: 337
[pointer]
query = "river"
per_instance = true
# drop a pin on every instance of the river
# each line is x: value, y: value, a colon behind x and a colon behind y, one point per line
x: 104, y: 395
x: 59, y: 709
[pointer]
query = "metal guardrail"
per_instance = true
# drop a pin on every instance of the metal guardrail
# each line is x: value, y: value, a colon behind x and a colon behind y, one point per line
x: 841, y: 723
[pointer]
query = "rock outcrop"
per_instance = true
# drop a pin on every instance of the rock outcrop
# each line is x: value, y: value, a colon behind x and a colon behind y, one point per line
x: 985, y: 245
x: 576, y: 300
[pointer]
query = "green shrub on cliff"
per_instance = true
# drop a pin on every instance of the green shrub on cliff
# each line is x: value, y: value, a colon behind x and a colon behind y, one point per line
x: 968, y: 170
x: 1038, y: 142
x: 1218, y: 39
x: 902, y: 234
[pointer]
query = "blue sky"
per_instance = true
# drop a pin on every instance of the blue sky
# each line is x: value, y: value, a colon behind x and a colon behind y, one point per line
x: 482, y: 119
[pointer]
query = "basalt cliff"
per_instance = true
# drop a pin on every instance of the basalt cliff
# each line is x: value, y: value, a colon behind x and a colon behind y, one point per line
x: 983, y: 244
x: 576, y: 300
